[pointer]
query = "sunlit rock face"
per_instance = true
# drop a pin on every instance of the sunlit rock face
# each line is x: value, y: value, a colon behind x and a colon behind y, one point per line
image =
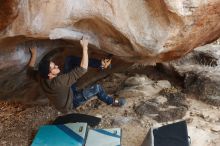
x: 159, y: 29
x: 142, y: 31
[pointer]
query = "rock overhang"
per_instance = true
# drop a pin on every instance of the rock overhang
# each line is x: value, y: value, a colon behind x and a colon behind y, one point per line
x: 143, y: 32
x: 160, y: 30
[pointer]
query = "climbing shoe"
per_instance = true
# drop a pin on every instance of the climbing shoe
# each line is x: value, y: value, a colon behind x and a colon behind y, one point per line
x: 119, y: 102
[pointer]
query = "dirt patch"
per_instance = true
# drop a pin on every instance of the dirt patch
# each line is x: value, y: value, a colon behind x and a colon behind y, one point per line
x: 19, y: 123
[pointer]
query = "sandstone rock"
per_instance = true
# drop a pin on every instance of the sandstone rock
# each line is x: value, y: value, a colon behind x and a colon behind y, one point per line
x: 158, y: 113
x: 119, y: 121
x: 157, y: 30
x: 201, y: 73
x: 137, y: 80
x: 144, y: 32
x: 142, y: 86
x: 147, y: 108
x: 144, y: 90
x: 138, y: 86
x: 160, y: 99
x: 163, y: 84
x: 215, y: 128
x: 171, y: 114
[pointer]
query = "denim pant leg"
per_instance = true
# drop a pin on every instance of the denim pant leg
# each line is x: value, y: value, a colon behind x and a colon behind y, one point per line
x: 78, y: 99
x: 99, y: 92
x: 86, y: 94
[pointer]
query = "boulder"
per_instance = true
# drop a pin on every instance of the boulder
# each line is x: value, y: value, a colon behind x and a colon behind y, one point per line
x: 144, y: 32
x: 200, y: 72
x: 142, y: 86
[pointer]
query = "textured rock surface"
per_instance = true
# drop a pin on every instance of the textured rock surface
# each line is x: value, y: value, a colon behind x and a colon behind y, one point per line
x: 136, y: 31
x: 143, y: 30
x: 142, y: 86
x: 200, y: 70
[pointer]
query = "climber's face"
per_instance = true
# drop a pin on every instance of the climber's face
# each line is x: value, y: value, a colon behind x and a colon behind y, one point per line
x: 54, y: 69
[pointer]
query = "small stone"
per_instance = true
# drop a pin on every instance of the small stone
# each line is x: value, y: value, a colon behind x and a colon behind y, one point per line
x: 119, y: 121
x: 189, y: 120
x: 215, y: 128
x: 98, y: 116
x: 214, y: 107
x: 163, y: 84
x: 160, y: 99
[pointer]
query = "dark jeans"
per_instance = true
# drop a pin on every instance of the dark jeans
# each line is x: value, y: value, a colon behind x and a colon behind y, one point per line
x: 87, y: 93
x: 84, y: 95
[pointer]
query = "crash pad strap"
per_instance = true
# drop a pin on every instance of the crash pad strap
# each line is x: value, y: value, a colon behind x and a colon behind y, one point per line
x: 107, y: 133
x: 71, y: 133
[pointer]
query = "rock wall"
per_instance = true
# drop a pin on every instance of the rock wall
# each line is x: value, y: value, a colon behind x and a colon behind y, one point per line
x: 200, y: 71
x: 142, y: 31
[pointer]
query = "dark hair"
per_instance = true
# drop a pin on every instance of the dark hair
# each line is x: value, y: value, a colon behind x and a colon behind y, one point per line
x: 110, y: 56
x: 44, y: 68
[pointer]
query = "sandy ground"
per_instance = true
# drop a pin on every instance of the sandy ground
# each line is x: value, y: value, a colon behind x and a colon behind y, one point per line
x: 19, y: 123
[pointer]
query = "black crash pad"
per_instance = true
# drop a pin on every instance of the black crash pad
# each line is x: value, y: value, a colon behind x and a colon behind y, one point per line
x: 74, y: 117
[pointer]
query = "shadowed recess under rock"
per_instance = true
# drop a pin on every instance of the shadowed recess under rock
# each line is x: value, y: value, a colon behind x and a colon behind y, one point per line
x: 17, y: 86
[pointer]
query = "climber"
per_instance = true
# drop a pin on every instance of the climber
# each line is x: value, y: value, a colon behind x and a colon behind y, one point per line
x: 61, y: 89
